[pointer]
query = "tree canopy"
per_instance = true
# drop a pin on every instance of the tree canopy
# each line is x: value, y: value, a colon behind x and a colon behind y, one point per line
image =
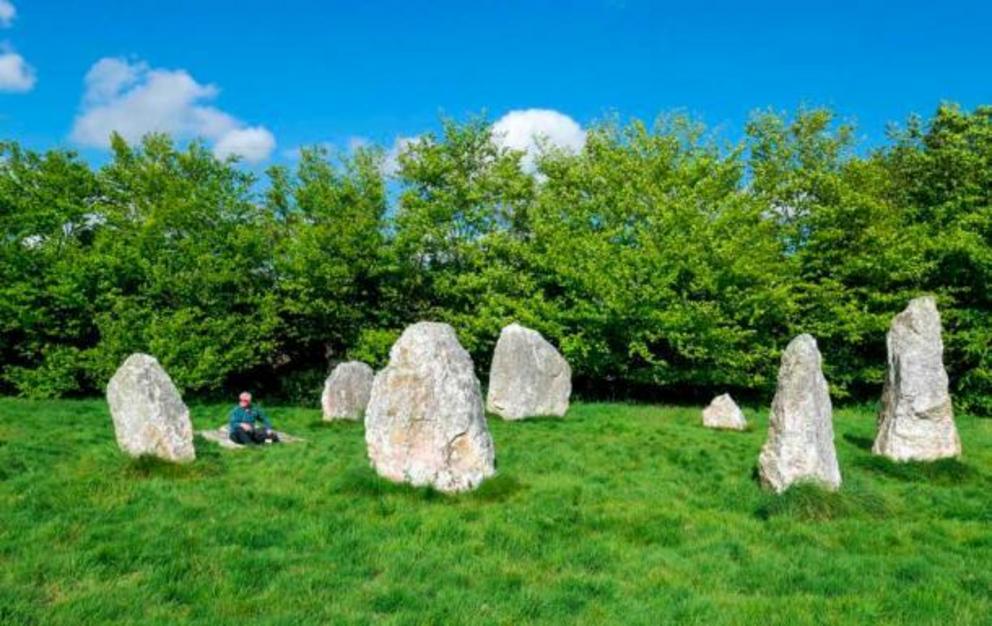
x: 661, y: 258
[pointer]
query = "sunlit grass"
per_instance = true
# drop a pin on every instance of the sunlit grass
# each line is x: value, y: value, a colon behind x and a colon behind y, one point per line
x: 616, y: 514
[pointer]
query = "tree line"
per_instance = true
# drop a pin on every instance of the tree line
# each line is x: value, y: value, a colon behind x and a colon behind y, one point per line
x: 662, y: 259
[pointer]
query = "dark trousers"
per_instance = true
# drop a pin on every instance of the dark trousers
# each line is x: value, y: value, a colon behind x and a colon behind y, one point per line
x: 246, y: 437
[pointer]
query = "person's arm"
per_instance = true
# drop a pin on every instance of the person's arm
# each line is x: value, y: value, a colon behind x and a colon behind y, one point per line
x: 232, y: 419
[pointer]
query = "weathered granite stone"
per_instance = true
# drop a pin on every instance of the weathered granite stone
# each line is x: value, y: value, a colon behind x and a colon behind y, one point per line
x: 723, y: 412
x: 148, y: 412
x: 424, y: 424
x: 346, y: 391
x: 528, y: 377
x: 916, y: 422
x: 800, y: 445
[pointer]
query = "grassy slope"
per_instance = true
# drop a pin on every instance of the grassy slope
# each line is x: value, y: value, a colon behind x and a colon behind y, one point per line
x: 618, y: 514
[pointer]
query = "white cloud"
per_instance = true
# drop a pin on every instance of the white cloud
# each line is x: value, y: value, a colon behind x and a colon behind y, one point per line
x: 253, y: 144
x: 132, y: 99
x: 15, y: 73
x: 391, y: 163
x: 108, y: 77
x: 7, y: 13
x: 527, y: 129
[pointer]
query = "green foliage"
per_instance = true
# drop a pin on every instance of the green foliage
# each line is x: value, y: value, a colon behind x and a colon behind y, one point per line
x: 327, y: 241
x: 47, y: 286
x: 182, y: 265
x: 658, y: 258
x: 373, y: 346
x: 651, y: 266
x: 942, y: 174
x: 617, y: 514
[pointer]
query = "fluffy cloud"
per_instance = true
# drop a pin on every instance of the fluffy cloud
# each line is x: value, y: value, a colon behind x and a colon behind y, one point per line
x: 527, y: 129
x: 133, y: 99
x: 252, y: 144
x: 15, y: 73
x: 391, y: 163
x: 7, y: 13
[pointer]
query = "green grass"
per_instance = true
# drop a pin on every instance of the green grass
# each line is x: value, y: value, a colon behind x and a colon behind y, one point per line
x: 616, y: 514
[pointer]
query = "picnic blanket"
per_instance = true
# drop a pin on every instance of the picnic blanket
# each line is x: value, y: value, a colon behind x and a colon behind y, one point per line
x: 220, y: 437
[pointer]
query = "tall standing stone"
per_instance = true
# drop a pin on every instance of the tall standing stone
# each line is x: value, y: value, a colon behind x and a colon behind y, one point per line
x: 425, y: 424
x: 916, y: 422
x: 800, y: 445
x: 346, y: 391
x: 528, y: 377
x: 723, y: 412
x: 149, y: 415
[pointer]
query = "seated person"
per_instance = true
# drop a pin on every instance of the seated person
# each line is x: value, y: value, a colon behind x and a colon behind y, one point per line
x: 241, y: 423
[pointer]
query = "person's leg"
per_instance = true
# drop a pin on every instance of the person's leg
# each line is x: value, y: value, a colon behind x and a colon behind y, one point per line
x: 258, y: 435
x: 242, y: 437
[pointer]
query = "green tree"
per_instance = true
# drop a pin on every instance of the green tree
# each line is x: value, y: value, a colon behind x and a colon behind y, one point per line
x: 941, y: 172
x: 653, y: 266
x: 461, y: 205
x: 185, y: 265
x: 327, y: 224
x: 846, y: 252
x: 47, y: 227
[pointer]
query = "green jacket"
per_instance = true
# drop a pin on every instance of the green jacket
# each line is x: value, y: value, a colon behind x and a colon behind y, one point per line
x: 246, y: 416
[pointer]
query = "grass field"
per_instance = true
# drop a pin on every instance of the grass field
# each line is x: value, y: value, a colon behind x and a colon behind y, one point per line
x: 617, y: 514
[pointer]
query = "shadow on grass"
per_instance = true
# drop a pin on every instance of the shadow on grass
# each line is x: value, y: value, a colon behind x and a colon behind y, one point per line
x: 748, y: 428
x: 807, y: 502
x: 335, y: 425
x: 865, y: 443
x: 499, y: 488
x: 208, y: 463
x: 534, y: 420
x: 363, y: 481
x: 942, y: 472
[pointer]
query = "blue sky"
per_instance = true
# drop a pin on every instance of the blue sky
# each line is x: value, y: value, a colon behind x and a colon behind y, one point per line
x: 266, y: 77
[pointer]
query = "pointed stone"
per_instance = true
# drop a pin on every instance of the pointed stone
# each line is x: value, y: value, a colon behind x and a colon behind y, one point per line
x: 346, y: 391
x: 916, y: 421
x: 149, y: 415
x: 800, y: 445
x: 528, y: 376
x: 723, y: 412
x: 425, y: 424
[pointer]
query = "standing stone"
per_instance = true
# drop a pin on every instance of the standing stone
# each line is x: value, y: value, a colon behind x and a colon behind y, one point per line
x: 800, y: 444
x: 528, y: 376
x: 346, y: 391
x: 723, y: 412
x: 916, y: 422
x: 149, y: 415
x: 424, y: 424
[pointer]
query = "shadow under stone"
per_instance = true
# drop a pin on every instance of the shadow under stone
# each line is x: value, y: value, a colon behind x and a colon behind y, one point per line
x: 865, y: 443
x: 804, y: 501
x: 209, y: 462
x: 552, y: 420
x: 334, y: 425
x: 497, y: 489
x: 941, y: 472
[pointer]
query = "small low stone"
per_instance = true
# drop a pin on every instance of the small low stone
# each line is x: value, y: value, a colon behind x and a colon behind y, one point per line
x: 346, y: 391
x: 724, y: 413
x: 149, y: 415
